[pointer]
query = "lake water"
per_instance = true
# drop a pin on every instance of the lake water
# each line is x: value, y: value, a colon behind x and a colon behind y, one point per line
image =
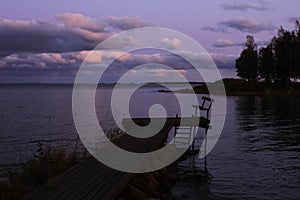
x: 256, y: 157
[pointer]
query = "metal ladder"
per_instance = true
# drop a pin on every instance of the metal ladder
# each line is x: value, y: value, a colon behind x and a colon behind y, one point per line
x: 184, y: 137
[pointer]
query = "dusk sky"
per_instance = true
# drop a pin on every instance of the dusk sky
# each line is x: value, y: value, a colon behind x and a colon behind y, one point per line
x: 46, y: 41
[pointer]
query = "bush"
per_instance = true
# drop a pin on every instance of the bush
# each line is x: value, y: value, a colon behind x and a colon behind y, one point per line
x: 42, y: 168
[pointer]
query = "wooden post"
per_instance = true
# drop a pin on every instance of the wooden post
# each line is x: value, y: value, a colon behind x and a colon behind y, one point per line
x: 193, y: 132
x: 175, y: 131
x: 205, y: 144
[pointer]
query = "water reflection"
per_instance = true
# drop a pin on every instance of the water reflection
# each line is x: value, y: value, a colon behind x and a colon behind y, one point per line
x: 192, y: 182
x: 257, y: 156
x: 275, y: 119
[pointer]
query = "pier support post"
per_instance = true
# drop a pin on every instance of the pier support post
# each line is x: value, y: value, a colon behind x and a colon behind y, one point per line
x: 205, y: 145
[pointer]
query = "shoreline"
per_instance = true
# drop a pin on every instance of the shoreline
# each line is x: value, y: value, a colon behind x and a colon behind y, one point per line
x: 240, y: 93
x: 238, y: 87
x: 152, y: 185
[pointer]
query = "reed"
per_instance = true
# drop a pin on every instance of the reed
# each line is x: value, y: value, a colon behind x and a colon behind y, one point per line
x: 47, y: 163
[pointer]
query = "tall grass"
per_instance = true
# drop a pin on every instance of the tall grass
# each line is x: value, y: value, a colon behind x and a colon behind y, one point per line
x: 46, y: 164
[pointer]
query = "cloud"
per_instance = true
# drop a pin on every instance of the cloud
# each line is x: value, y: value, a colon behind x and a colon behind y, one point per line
x: 71, y: 61
x: 223, y: 43
x: 294, y: 19
x: 214, y: 29
x: 50, y: 50
x: 204, y: 60
x: 73, y: 20
x: 247, y: 25
x: 94, y: 58
x: 243, y: 7
x: 158, y: 75
x: 98, y: 57
x: 53, y: 67
x: 66, y: 64
x: 224, y: 61
x: 50, y: 58
x: 170, y: 73
x: 147, y: 58
x: 119, y: 43
x: 45, y: 36
x: 260, y: 42
x: 171, y: 44
x: 125, y: 23
x: 241, y: 24
x: 2, y: 64
x: 36, y: 61
x: 70, y: 32
x: 220, y: 43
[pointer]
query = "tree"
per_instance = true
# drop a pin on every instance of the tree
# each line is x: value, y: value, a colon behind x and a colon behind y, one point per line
x: 266, y: 64
x: 282, y: 48
x: 246, y: 64
x: 295, y: 52
x: 278, y: 62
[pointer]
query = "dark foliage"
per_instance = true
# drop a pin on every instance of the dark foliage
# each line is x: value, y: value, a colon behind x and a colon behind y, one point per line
x: 278, y: 62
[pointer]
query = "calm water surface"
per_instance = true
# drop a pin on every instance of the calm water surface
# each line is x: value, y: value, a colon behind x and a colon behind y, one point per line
x: 257, y: 156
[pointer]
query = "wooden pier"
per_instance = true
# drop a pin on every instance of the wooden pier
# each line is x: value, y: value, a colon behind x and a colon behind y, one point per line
x: 91, y: 179
x: 173, y: 121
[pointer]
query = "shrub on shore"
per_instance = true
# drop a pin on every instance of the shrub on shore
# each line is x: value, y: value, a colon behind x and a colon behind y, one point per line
x: 45, y: 165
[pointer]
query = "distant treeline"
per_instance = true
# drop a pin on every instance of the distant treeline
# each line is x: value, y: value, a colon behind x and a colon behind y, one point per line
x: 277, y: 63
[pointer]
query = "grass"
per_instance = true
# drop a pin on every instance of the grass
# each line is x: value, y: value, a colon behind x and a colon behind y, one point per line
x: 45, y: 165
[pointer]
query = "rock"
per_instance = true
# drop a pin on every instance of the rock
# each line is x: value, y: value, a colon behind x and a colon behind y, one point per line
x: 132, y: 193
x: 155, y: 174
x: 152, y: 185
x: 168, y: 176
x: 147, y: 183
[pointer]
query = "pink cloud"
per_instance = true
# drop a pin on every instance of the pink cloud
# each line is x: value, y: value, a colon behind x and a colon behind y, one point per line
x: 145, y: 58
x: 2, y: 64
x: 170, y: 73
x: 16, y: 23
x: 182, y: 72
x: 125, y: 23
x: 96, y: 57
x: 91, y: 36
x: 73, y: 20
x: 161, y: 73
x: 88, y: 57
x: 171, y: 43
x: 50, y: 57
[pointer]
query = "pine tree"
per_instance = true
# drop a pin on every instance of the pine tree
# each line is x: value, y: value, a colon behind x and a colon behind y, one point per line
x: 295, y: 52
x: 266, y: 64
x: 282, y: 50
x: 246, y: 64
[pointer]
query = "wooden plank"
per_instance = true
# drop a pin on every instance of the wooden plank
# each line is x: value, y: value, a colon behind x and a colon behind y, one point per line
x: 183, y: 121
x: 106, y: 179
x: 117, y: 189
x: 67, y: 181
x: 105, y: 191
x: 93, y: 180
x: 82, y: 182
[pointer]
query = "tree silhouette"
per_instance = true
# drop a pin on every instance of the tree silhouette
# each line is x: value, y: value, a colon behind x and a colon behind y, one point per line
x: 266, y: 64
x: 278, y: 62
x: 246, y: 64
x: 295, y: 53
x: 282, y: 49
